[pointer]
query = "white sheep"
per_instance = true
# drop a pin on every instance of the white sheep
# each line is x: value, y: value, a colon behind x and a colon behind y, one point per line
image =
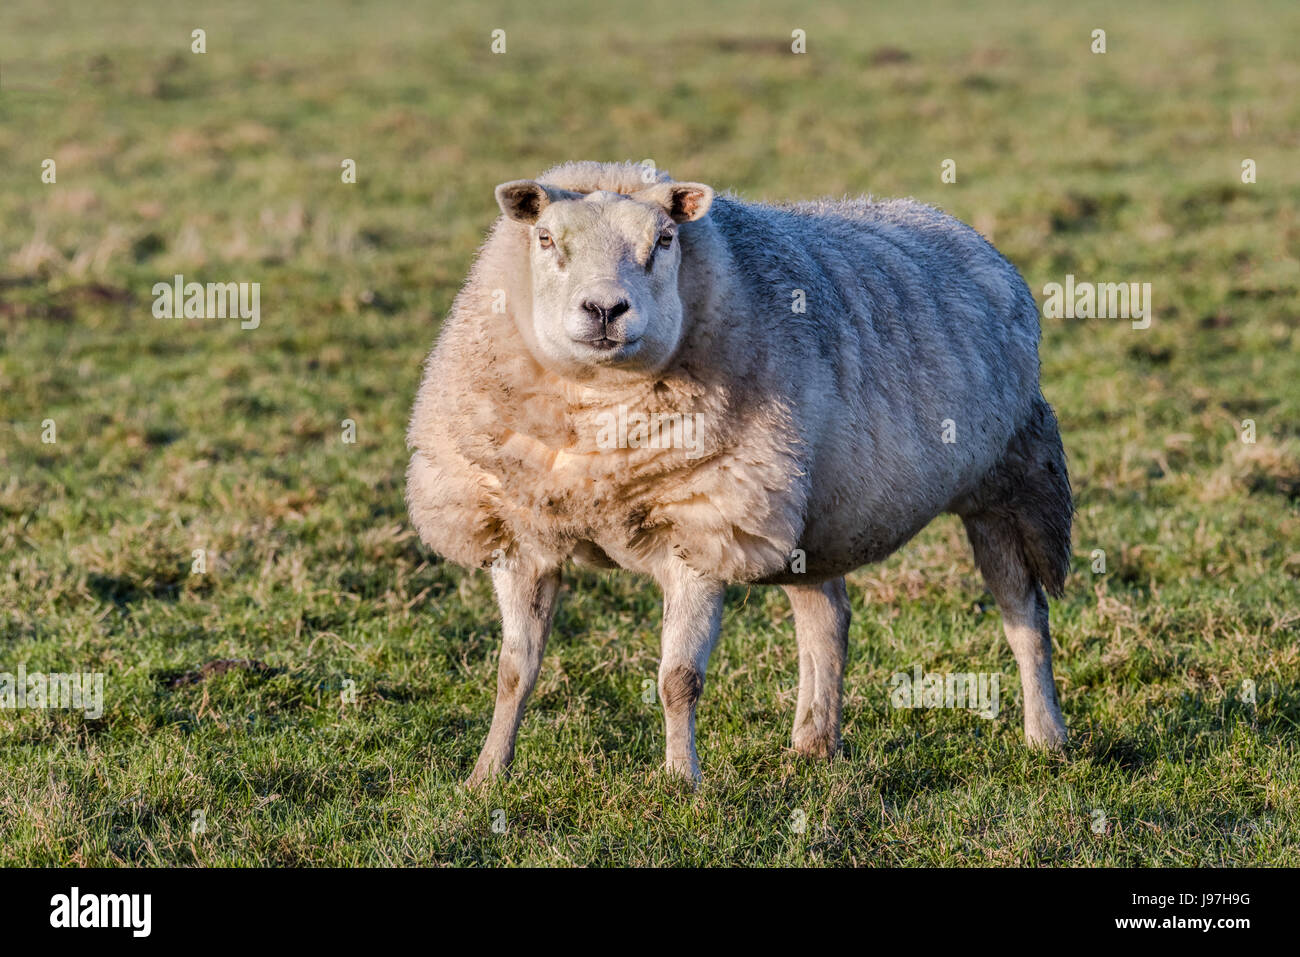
x: 833, y: 375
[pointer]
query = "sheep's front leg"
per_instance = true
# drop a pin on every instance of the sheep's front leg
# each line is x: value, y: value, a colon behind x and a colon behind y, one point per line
x: 526, y: 596
x: 692, y: 618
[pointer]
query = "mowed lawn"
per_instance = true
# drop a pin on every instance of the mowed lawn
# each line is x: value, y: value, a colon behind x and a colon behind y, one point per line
x: 370, y: 665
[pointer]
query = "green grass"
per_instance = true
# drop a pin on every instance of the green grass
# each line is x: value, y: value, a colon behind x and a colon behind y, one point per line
x: 174, y: 435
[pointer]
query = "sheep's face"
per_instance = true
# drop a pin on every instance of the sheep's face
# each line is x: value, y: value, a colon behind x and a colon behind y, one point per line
x: 604, y: 273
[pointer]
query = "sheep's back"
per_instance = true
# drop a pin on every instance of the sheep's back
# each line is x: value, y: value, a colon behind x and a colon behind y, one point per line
x: 912, y: 364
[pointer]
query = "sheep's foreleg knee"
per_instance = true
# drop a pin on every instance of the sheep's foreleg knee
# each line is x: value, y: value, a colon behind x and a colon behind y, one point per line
x: 692, y: 618
x: 527, y: 600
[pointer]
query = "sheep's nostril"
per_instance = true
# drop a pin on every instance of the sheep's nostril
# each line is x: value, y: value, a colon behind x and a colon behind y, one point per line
x: 596, y: 311
x: 605, y: 314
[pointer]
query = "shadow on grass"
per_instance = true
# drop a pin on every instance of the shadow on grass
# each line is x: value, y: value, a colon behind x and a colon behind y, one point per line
x: 123, y: 590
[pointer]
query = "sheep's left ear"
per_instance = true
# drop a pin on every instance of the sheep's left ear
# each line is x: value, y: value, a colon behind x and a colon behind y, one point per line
x: 684, y: 202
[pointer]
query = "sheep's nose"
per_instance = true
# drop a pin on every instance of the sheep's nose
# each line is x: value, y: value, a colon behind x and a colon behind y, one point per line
x: 606, y: 313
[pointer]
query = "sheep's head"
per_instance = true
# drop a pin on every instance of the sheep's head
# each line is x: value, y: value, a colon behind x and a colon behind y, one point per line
x: 604, y: 273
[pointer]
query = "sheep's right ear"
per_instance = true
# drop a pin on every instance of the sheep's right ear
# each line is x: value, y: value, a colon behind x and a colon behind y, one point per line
x: 523, y: 200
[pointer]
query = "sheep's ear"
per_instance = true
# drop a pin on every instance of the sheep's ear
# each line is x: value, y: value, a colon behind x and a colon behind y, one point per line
x: 684, y: 202
x: 523, y: 200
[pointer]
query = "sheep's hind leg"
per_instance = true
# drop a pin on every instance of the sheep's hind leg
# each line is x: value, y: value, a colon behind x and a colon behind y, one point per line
x: 1020, y: 598
x: 821, y: 625
x: 527, y: 600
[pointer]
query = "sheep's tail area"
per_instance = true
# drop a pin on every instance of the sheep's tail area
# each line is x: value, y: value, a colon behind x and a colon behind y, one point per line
x: 1043, y: 507
x: 1048, y: 512
x: 1022, y: 511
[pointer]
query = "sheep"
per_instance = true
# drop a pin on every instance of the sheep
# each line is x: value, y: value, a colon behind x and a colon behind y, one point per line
x: 851, y: 369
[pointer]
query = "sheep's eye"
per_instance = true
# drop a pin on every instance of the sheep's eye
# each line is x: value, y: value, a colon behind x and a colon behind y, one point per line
x: 666, y: 239
x: 544, y: 239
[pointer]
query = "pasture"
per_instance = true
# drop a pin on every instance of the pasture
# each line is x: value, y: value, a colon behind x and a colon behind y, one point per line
x: 366, y: 668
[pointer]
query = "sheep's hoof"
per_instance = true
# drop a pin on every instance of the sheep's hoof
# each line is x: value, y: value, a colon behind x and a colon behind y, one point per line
x: 1046, y: 738
x: 813, y: 738
x: 820, y: 747
x: 485, y: 771
x: 685, y: 773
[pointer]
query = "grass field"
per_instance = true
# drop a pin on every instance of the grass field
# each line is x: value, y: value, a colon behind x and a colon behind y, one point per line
x: 180, y: 434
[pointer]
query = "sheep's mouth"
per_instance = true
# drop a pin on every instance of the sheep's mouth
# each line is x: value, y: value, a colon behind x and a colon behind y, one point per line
x: 607, y: 348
